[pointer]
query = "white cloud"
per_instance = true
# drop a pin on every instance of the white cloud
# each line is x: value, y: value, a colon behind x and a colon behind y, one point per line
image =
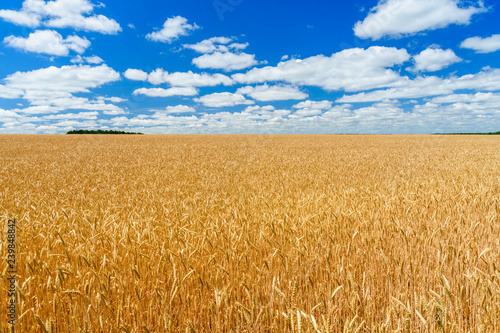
x: 172, y: 28
x: 135, y: 74
x: 216, y: 44
x: 190, y: 79
x: 433, y: 59
x: 321, y: 105
x: 180, y: 109
x: 465, y: 117
x: 67, y: 124
x: 471, y: 113
x: 467, y: 98
x: 77, y: 60
x: 9, y: 92
x: 385, y: 117
x: 113, y: 99
x: 160, y: 92
x: 48, y: 42
x: 61, y: 14
x: 226, y: 61
x: 338, y: 112
x: 238, y: 46
x: 482, y: 45
x: 406, y: 17
x: 65, y: 79
x: 22, y: 18
x: 39, y: 109
x: 114, y: 112
x: 94, y: 60
x: 380, y: 111
x: 218, y: 122
x: 263, y: 113
x: 216, y: 100
x: 6, y: 116
x: 351, y: 70
x: 273, y: 93
x: 210, y: 45
x: 179, y: 79
x: 50, y: 90
x: 486, y: 80
x: 58, y: 105
x: 420, y: 87
x: 311, y: 108
x: 96, y: 23
x: 81, y: 115
x: 307, y: 112
x: 158, y: 76
x: 257, y: 109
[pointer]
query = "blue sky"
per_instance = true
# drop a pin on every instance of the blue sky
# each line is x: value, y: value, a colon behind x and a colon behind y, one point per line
x: 241, y: 66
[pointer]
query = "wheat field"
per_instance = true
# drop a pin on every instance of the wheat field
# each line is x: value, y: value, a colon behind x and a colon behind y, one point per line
x: 253, y: 233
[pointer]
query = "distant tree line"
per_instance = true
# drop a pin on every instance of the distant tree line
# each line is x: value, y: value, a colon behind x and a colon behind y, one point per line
x: 99, y: 132
x: 489, y: 133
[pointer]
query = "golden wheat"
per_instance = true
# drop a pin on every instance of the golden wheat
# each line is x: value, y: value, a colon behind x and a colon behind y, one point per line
x: 253, y: 233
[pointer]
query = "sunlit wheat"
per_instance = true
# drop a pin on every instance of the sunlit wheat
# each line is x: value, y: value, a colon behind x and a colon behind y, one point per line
x: 254, y: 233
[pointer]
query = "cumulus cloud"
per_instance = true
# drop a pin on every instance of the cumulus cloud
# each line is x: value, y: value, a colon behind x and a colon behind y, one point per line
x: 173, y: 28
x: 48, y: 42
x: 273, y: 93
x: 210, y: 45
x: 57, y: 105
x: 7, y: 115
x: 190, y: 79
x: 307, y: 112
x: 21, y: 18
x: 223, y: 99
x: 96, y: 23
x: 264, y: 113
x: 112, y: 99
x: 226, y: 61
x: 468, y: 98
x: 238, y: 46
x: 216, y: 44
x: 80, y: 115
x: 65, y: 79
x: 467, y: 116
x: 94, y: 60
x: 50, y: 90
x: 465, y: 112
x: 9, y: 92
x: 160, y: 92
x: 135, y: 74
x: 384, y: 117
x: 158, y: 76
x: 257, y: 109
x: 434, y: 59
x: 220, y: 53
x: 351, y: 70
x: 311, y: 108
x: 179, y: 79
x: 398, y: 18
x: 180, y: 109
x: 482, y: 45
x: 420, y: 87
x: 486, y: 80
x: 321, y: 105
x: 76, y: 14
